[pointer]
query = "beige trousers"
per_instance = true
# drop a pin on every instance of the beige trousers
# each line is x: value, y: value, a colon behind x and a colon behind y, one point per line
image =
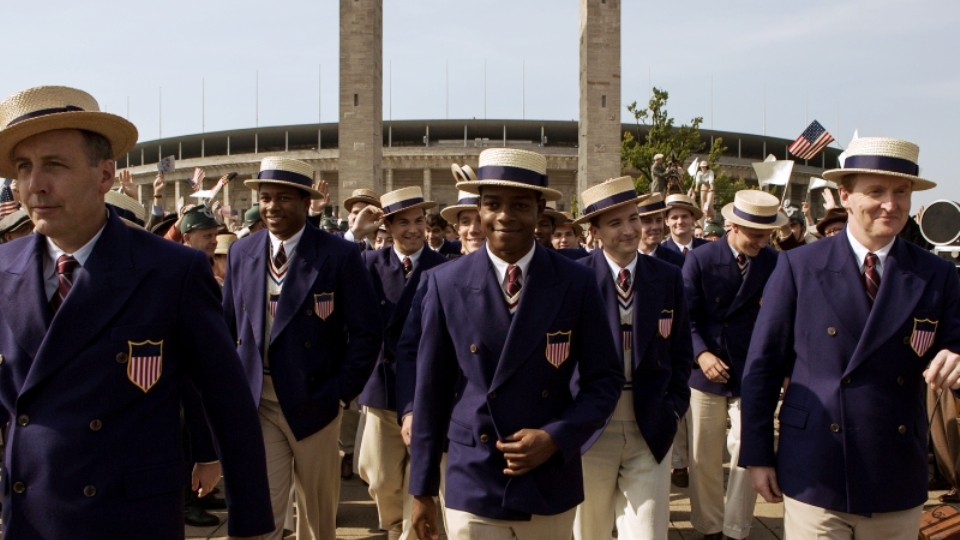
x: 623, y: 484
x: 385, y: 465
x: 708, y: 429
x: 348, y: 428
x: 312, y: 465
x: 466, y: 526
x: 802, y: 521
x: 679, y: 454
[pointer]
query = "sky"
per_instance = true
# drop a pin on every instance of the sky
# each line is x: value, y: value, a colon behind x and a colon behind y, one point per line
x: 882, y: 67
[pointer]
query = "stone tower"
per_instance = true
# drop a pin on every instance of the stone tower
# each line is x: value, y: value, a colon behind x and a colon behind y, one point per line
x: 599, y: 146
x: 361, y: 96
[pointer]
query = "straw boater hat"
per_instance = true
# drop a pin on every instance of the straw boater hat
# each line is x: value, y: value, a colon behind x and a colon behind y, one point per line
x: 678, y: 200
x: 651, y: 204
x: 368, y: 196
x: 127, y: 208
x: 512, y: 168
x: 465, y: 201
x: 402, y: 199
x: 755, y: 209
x: 223, y: 243
x: 48, y: 108
x: 285, y: 172
x: 885, y: 156
x: 603, y: 197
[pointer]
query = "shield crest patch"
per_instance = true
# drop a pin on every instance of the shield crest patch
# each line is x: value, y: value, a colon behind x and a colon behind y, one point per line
x: 274, y: 300
x: 924, y: 332
x: 558, y: 348
x: 666, y: 323
x: 145, y: 363
x: 323, y: 305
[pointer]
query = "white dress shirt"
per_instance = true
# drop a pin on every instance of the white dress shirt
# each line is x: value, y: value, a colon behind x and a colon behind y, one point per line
x: 289, y: 245
x: 501, y: 265
x: 860, y: 253
x: 51, y: 282
x: 413, y: 258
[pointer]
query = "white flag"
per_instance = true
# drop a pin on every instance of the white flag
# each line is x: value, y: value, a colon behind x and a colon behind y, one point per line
x: 820, y: 183
x: 692, y: 169
x: 770, y: 157
x: 774, y: 173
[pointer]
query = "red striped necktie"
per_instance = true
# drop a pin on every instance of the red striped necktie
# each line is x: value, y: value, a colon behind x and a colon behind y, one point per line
x: 513, y: 280
x: 407, y: 267
x: 66, y: 265
x: 280, y: 258
x: 623, y: 280
x: 871, y: 276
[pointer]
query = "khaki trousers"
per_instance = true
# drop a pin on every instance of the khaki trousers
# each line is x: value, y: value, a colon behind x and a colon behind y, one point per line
x: 679, y: 454
x: 312, y: 465
x: 385, y: 465
x: 623, y: 484
x: 466, y: 526
x: 802, y: 521
x: 708, y: 428
x: 348, y: 428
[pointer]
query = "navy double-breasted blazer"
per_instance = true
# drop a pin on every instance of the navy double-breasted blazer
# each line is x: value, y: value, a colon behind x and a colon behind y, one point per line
x: 853, y: 423
x: 92, y: 392
x: 671, y: 245
x: 669, y: 255
x: 723, y: 308
x: 503, y: 365
x: 316, y: 362
x: 661, y: 364
x: 395, y: 295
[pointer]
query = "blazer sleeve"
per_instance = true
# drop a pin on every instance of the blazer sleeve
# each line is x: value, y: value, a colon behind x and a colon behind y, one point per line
x: 363, y: 324
x: 228, y: 304
x: 406, y: 355
x: 693, y: 291
x: 201, y: 447
x: 214, y: 368
x: 432, y: 399
x: 770, y: 358
x: 681, y: 350
x: 601, y: 377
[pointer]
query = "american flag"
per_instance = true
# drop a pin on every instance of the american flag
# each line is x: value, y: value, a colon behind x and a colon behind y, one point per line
x: 7, y: 204
x: 811, y: 141
x: 196, y: 182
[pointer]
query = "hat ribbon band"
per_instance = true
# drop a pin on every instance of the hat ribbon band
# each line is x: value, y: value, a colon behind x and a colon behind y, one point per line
x: 607, y: 202
x: 469, y: 201
x: 512, y: 174
x: 44, y: 112
x: 882, y: 163
x: 398, y: 206
x: 653, y: 207
x: 766, y: 220
x: 286, y: 176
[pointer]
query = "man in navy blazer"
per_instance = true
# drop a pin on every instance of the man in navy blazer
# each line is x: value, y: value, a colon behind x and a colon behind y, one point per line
x: 437, y: 240
x: 626, y: 473
x: 101, y: 324
x: 853, y: 321
x: 505, y: 331
x: 395, y: 273
x: 303, y: 313
x: 724, y: 283
x: 682, y: 213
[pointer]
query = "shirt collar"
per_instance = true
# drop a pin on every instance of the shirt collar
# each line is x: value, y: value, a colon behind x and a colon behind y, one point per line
x: 616, y: 268
x: 289, y: 245
x: 681, y: 246
x: 860, y: 252
x: 501, y: 265
x: 413, y: 258
x: 734, y: 250
x: 81, y: 255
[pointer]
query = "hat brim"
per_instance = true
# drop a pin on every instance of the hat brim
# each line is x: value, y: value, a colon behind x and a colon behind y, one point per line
x: 474, y: 187
x: 255, y: 184
x: 348, y: 204
x: 426, y: 205
x: 836, y: 218
x: 587, y: 217
x: 696, y: 212
x: 728, y: 215
x: 919, y: 184
x: 119, y: 131
x: 451, y: 213
x: 643, y: 199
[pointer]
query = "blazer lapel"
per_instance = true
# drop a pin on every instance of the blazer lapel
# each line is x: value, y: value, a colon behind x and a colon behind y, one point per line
x: 254, y: 293
x: 647, y: 306
x: 300, y: 279
x: 539, y: 303
x: 391, y: 276
x: 609, y: 294
x: 23, y: 293
x: 428, y: 259
x: 753, y: 280
x: 725, y: 269
x: 100, y: 289
x: 901, y: 287
x: 842, y: 286
x: 485, y: 305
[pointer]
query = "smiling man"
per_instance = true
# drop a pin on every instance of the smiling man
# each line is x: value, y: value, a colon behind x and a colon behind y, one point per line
x: 505, y: 329
x: 682, y: 214
x: 101, y: 324
x: 395, y: 272
x: 303, y: 313
x: 860, y: 321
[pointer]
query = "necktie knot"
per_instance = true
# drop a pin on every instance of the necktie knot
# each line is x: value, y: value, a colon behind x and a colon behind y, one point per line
x: 513, y: 280
x: 66, y: 265
x: 871, y: 275
x: 407, y: 266
x: 623, y: 280
x: 280, y: 258
x: 685, y: 251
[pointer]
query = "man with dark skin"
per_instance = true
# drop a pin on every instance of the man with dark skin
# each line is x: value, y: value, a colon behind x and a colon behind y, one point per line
x: 547, y: 295
x: 543, y: 232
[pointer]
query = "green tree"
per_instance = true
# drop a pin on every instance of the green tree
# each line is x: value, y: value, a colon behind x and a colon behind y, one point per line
x: 724, y: 185
x: 661, y: 138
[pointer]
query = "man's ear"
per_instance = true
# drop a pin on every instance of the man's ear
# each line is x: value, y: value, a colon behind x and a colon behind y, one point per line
x: 107, y: 170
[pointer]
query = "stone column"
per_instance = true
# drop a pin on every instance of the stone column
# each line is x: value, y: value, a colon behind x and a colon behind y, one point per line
x: 599, y: 131
x: 176, y: 192
x: 388, y: 181
x: 361, y: 95
x: 427, y: 181
x: 140, y: 194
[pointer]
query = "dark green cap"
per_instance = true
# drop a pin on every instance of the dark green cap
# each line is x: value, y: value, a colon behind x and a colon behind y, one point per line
x: 198, y: 217
x: 251, y: 216
x: 712, y: 228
